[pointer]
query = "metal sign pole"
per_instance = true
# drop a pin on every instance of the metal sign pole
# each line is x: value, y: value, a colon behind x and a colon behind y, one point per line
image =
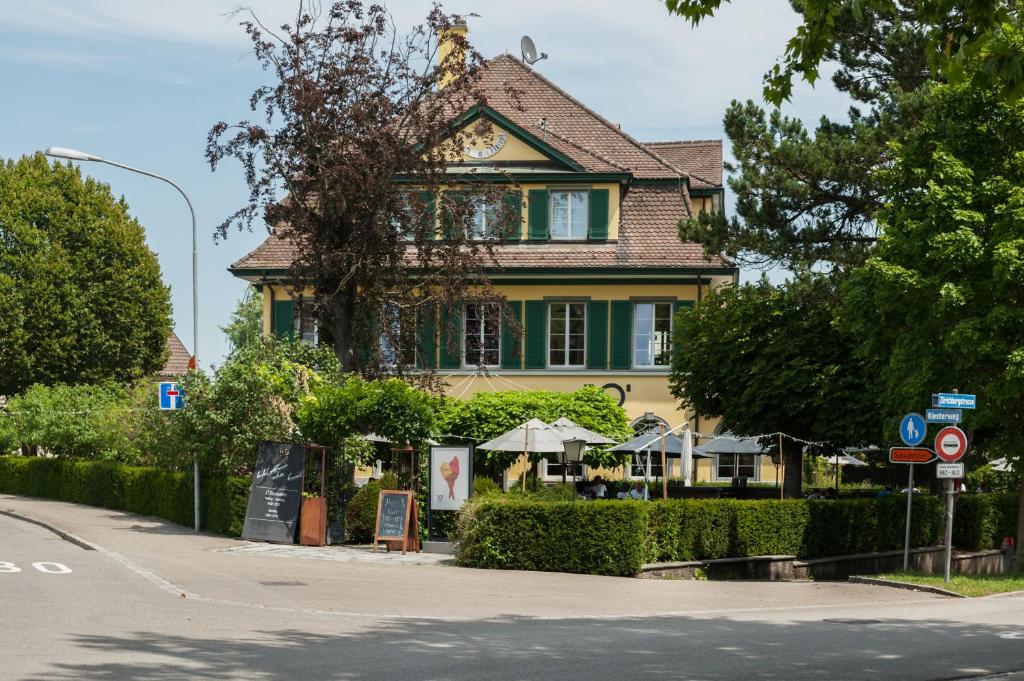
x: 949, y: 527
x: 906, y: 539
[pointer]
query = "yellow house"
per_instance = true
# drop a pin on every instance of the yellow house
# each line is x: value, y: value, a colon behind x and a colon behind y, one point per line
x: 595, y: 273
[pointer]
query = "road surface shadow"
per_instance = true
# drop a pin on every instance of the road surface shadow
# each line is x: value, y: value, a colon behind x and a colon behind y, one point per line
x: 525, y: 648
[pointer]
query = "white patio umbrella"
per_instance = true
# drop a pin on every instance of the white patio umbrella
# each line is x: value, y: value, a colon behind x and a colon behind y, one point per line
x: 572, y: 431
x: 534, y: 436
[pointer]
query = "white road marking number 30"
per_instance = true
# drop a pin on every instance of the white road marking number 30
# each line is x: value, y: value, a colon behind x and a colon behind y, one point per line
x: 44, y: 566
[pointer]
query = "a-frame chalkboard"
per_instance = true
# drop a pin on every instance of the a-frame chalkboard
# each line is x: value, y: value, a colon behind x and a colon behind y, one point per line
x: 397, y: 520
x: 276, y: 493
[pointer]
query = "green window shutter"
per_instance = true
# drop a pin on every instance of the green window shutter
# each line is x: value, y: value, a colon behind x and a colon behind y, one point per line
x: 514, y: 207
x: 430, y: 213
x: 284, y: 319
x: 511, y: 343
x: 538, y: 209
x: 426, y: 338
x: 622, y: 334
x: 536, y: 331
x: 597, y: 223
x: 597, y: 334
x: 451, y: 338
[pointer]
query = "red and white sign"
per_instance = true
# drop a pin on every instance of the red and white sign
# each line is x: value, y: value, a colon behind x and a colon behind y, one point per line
x: 950, y: 444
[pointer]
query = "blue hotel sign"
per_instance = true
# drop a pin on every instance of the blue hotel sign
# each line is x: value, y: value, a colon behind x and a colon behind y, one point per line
x: 943, y: 416
x: 954, y: 401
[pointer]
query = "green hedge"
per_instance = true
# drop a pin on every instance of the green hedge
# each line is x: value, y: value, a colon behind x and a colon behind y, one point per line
x: 146, y: 491
x: 982, y: 520
x: 598, y: 537
x: 617, y: 537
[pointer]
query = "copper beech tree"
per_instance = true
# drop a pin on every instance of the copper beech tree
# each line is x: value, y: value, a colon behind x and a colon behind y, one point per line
x: 348, y: 163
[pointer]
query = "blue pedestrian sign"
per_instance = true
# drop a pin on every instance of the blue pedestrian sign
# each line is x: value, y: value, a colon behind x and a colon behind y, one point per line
x: 171, y: 397
x: 954, y: 401
x: 912, y: 429
x: 943, y: 415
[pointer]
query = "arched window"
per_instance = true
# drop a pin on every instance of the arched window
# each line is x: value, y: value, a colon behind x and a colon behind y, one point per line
x: 647, y: 425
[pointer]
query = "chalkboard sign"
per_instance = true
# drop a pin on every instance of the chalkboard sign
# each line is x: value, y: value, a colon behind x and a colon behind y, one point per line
x: 276, y: 493
x: 397, y: 520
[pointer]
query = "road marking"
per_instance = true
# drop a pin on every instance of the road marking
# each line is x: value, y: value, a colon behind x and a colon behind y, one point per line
x: 57, y: 568
x: 8, y: 567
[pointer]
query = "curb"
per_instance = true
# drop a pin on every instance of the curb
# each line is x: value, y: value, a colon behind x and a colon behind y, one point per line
x: 63, y: 534
x: 856, y: 579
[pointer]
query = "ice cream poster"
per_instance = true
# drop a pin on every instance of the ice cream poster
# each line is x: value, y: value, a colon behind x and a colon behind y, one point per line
x: 450, y: 473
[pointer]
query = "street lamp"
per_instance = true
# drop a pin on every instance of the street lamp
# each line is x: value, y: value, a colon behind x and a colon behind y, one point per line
x: 572, y: 454
x: 75, y: 155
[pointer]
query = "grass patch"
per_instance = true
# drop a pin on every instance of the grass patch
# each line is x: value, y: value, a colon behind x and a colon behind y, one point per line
x: 967, y: 585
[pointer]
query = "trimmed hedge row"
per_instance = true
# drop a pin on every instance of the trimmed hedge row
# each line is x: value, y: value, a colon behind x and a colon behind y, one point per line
x: 146, y: 491
x: 618, y: 537
x: 599, y: 537
x: 982, y: 520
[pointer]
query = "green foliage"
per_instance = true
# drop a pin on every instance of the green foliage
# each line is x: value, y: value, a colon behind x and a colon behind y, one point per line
x: 987, y: 479
x: 982, y: 520
x: 332, y: 414
x: 489, y: 414
x: 81, y: 421
x: 81, y: 295
x: 483, y: 487
x: 245, y: 327
x: 598, y: 537
x: 983, y: 34
x: 535, y: 535
x: 146, y: 491
x: 361, y: 514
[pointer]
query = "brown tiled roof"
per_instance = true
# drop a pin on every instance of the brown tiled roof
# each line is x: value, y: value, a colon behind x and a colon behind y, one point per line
x: 593, y: 142
x: 700, y: 159
x: 177, y: 362
x: 648, y: 238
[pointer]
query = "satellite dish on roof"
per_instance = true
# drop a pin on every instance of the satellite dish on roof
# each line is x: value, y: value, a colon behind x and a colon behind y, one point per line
x: 530, y: 51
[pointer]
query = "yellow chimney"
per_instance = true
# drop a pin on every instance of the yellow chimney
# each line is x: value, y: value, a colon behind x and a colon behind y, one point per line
x: 445, y: 47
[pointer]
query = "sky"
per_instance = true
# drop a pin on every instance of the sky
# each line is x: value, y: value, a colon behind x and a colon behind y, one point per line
x: 141, y: 82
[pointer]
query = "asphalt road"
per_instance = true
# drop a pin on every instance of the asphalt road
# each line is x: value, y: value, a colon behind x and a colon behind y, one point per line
x: 81, y: 614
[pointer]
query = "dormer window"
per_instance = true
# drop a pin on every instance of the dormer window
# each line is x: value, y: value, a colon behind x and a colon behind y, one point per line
x: 569, y: 215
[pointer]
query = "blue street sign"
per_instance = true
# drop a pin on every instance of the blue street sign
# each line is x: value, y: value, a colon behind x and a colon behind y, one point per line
x: 943, y: 416
x: 913, y: 429
x: 171, y: 397
x: 954, y: 401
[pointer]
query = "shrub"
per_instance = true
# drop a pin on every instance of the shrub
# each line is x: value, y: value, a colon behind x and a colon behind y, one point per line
x: 146, y: 491
x: 597, y: 537
x: 851, y: 526
x: 483, y: 487
x: 361, y: 513
x: 982, y: 520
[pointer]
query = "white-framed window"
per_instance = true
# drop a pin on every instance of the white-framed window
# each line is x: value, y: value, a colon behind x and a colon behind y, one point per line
x: 567, y: 334
x: 481, y: 331
x: 569, y: 214
x: 551, y: 469
x: 306, y: 328
x: 652, y: 334
x: 397, y: 340
x: 403, y: 220
x: 486, y: 224
x: 729, y: 466
x: 648, y: 425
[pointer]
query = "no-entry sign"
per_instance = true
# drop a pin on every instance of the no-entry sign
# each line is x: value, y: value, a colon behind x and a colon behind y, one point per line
x: 950, y: 444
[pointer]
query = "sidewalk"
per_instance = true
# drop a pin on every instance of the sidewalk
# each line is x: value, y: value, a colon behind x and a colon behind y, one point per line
x: 245, y: 573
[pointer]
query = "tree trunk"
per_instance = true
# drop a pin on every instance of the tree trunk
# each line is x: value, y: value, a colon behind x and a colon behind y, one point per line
x: 792, y: 483
x: 1018, y: 563
x: 342, y: 313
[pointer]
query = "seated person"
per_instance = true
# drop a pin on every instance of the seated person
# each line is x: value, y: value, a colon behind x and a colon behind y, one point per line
x: 815, y: 495
x: 598, y: 489
x: 639, y: 490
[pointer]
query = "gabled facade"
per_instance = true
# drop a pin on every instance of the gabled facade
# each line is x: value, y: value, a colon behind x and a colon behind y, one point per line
x: 596, y: 271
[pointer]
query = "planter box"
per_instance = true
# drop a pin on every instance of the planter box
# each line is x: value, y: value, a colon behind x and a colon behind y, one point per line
x: 313, y: 522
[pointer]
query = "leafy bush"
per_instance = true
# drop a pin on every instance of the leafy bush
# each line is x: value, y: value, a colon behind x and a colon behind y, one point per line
x: 489, y: 414
x: 361, y: 514
x: 483, y: 487
x: 990, y: 480
x: 146, y: 491
x: 510, y: 532
x: 982, y: 520
x: 597, y: 537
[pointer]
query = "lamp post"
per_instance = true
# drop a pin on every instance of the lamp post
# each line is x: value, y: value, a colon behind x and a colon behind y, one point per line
x: 75, y: 155
x: 572, y: 454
